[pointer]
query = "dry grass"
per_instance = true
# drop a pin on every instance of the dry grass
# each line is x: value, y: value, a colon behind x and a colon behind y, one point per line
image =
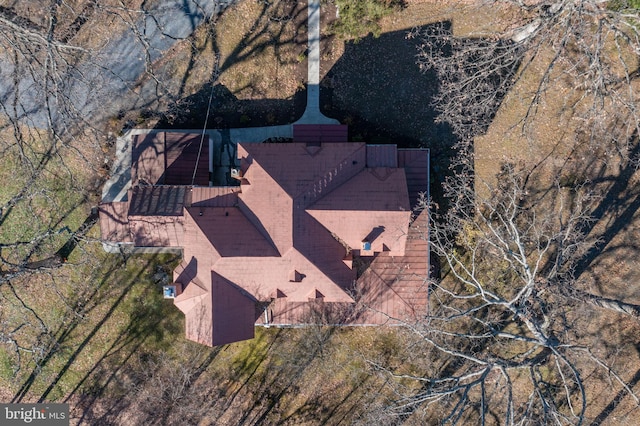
x: 263, y: 49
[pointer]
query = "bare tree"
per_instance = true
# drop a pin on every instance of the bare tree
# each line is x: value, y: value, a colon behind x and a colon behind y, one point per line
x: 589, y: 46
x: 505, y: 335
x: 59, y: 83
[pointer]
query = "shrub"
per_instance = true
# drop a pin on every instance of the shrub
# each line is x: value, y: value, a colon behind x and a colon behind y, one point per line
x: 358, y: 18
x: 618, y: 5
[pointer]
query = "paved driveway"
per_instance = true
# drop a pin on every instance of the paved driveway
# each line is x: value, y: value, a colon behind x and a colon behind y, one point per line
x: 100, y: 86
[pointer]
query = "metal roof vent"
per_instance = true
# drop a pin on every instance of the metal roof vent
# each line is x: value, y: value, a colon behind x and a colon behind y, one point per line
x: 366, y: 249
x: 316, y: 295
x: 278, y: 294
x: 295, y: 276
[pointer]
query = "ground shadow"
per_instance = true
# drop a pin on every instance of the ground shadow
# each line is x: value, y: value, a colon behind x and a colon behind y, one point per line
x: 615, y: 401
x: 618, y: 207
x: 278, y: 26
x: 229, y: 112
x: 378, y: 89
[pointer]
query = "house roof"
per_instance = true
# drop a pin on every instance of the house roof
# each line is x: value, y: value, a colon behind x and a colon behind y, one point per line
x: 300, y: 170
x: 233, y: 311
x: 376, y: 203
x: 415, y: 162
x: 262, y: 277
x: 156, y: 231
x: 193, y: 295
x: 114, y: 222
x: 392, y: 290
x: 289, y: 235
x: 214, y: 196
x: 162, y: 158
x: 395, y: 288
x: 216, y: 311
x: 229, y: 232
x: 319, y: 133
x: 148, y: 158
x: 382, y: 156
x: 157, y: 200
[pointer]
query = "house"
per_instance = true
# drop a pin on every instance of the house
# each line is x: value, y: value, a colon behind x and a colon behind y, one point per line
x: 318, y: 229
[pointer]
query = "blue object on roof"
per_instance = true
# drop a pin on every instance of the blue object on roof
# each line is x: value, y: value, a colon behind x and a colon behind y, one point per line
x: 169, y: 291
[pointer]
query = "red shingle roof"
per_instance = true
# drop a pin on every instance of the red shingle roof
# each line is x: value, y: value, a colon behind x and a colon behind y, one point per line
x: 263, y: 276
x: 320, y: 133
x: 114, y: 223
x: 157, y: 200
x: 299, y: 169
x: 415, y: 163
x: 156, y: 231
x: 169, y: 159
x: 214, y: 196
x: 216, y: 311
x: 382, y: 156
x: 289, y: 235
x: 181, y: 156
x: 148, y: 158
x: 229, y: 232
x: 396, y: 287
x: 233, y: 312
x: 377, y: 207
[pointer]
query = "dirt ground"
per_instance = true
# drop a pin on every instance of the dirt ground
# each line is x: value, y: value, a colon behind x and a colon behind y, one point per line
x: 254, y: 55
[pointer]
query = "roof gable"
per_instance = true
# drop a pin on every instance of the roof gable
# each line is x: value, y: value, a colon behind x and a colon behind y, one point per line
x: 192, y: 296
x: 373, y: 206
x: 233, y: 312
x: 268, y: 207
x: 265, y: 276
x: 304, y: 169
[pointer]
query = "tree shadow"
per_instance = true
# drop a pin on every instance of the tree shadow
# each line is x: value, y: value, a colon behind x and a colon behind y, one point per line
x: 227, y: 111
x: 615, y: 401
x: 67, y: 328
x: 379, y: 90
x: 616, y: 209
x: 281, y: 374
